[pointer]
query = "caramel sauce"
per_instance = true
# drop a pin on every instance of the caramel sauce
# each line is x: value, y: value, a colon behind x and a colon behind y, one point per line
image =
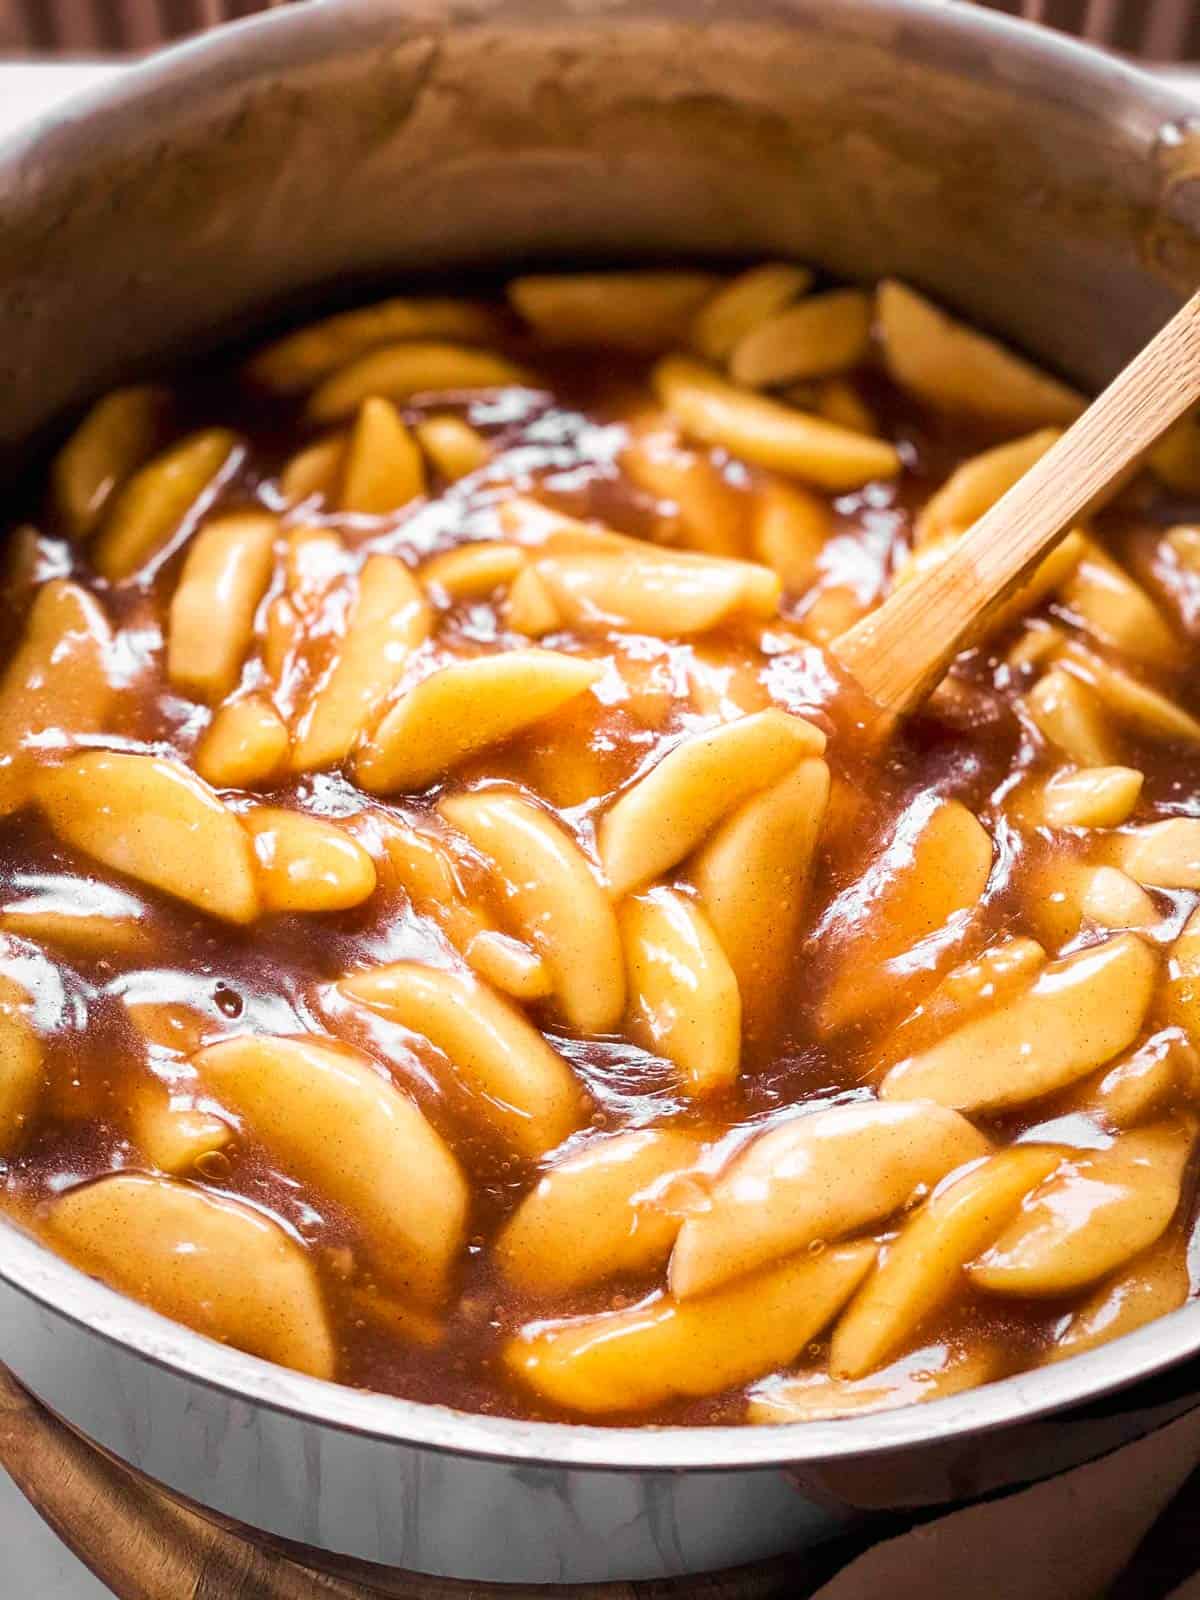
x: 564, y: 445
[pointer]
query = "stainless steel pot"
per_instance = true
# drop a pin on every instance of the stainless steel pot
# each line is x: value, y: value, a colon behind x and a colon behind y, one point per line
x: 1042, y: 189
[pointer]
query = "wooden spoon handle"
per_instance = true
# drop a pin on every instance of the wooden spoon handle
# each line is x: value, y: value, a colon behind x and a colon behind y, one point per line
x: 901, y: 651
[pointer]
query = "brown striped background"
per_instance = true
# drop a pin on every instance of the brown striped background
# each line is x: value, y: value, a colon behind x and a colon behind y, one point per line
x: 99, y: 27
x: 1161, y: 30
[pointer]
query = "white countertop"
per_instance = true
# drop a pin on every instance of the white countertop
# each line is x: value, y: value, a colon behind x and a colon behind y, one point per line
x: 26, y: 92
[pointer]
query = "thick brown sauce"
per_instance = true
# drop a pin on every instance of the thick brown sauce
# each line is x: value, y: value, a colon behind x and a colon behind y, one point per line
x: 277, y: 976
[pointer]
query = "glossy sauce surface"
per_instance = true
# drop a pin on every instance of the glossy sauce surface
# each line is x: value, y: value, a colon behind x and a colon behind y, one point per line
x: 844, y: 1000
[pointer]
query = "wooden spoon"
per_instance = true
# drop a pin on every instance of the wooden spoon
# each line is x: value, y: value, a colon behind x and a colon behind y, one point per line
x: 900, y: 652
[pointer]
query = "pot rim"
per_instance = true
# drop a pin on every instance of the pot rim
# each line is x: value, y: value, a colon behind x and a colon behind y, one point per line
x: 33, y: 1270
x: 248, y: 49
